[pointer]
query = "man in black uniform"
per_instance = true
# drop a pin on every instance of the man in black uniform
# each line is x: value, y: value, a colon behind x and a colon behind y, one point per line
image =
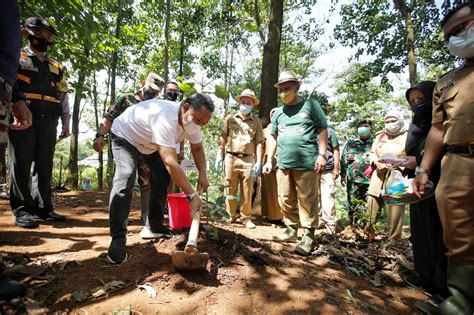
x: 43, y: 82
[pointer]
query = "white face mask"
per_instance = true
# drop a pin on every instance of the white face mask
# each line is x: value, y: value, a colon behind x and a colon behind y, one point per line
x: 462, y: 45
x: 189, y: 126
x: 245, y: 109
x: 393, y: 127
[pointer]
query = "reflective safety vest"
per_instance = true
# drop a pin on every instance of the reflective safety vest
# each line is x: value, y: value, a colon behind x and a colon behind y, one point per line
x: 42, y: 82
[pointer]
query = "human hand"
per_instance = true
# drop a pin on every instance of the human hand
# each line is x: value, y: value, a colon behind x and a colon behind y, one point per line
x: 65, y: 132
x: 180, y: 156
x: 409, y: 162
x: 203, y: 183
x: 22, y: 117
x: 267, y: 168
x: 257, y: 169
x: 320, y: 164
x: 99, y: 143
x: 335, y: 174
x: 343, y: 181
x: 195, y: 205
x: 419, y: 184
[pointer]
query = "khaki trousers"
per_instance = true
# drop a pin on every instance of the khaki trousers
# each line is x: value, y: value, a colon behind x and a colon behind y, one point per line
x: 298, y: 197
x: 328, y: 195
x: 238, y: 170
x: 270, y: 197
x: 455, y: 198
x: 394, y: 216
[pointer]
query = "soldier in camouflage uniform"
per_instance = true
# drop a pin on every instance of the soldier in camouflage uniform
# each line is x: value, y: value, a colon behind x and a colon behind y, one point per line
x: 354, y: 162
x: 151, y: 89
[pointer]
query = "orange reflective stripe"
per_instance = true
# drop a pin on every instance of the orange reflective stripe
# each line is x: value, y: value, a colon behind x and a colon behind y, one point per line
x: 40, y: 97
x: 23, y: 78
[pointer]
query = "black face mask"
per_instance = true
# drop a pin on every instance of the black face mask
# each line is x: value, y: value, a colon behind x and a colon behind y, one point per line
x: 171, y: 96
x: 40, y: 44
x: 421, y: 108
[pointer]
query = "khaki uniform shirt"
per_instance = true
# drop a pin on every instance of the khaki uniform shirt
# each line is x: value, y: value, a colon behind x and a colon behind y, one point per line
x: 242, y: 133
x: 453, y: 104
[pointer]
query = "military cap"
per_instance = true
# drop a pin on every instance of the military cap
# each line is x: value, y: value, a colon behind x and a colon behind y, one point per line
x: 35, y: 22
x: 156, y: 82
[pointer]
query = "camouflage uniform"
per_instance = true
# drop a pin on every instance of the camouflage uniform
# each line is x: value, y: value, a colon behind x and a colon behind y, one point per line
x: 121, y: 104
x: 354, y: 162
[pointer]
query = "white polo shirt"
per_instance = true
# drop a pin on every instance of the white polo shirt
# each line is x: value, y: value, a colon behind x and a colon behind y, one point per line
x: 151, y: 123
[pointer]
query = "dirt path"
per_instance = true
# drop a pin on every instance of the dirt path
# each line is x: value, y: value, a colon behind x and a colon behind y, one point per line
x: 63, y: 263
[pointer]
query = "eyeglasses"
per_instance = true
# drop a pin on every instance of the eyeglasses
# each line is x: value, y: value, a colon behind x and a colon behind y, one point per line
x: 458, y: 29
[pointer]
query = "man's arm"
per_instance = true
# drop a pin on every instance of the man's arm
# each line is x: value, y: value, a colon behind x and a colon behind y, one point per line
x: 199, y: 157
x: 336, y: 155
x: 65, y: 116
x: 433, y: 149
x: 271, y: 143
x: 104, y: 128
x: 320, y: 164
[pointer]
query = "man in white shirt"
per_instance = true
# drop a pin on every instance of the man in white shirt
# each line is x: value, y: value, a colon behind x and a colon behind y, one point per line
x: 149, y: 132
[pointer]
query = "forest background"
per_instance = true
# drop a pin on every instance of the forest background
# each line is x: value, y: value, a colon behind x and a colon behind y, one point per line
x: 356, y: 58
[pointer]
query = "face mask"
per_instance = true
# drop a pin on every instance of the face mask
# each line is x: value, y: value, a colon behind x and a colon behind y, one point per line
x: 245, y: 109
x: 40, y: 44
x: 392, y: 127
x: 287, y: 97
x: 148, y: 94
x: 421, y: 107
x: 462, y: 45
x: 189, y: 126
x: 363, y: 131
x: 171, y: 96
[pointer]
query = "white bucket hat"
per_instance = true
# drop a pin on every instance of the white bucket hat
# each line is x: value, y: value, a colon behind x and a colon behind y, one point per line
x: 248, y: 93
x: 287, y: 76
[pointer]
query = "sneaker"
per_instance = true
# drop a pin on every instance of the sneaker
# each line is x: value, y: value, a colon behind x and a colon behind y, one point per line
x: 50, y: 216
x: 305, y: 246
x: 10, y: 289
x: 146, y: 233
x: 250, y: 225
x: 117, y: 253
x: 289, y: 235
x: 26, y: 220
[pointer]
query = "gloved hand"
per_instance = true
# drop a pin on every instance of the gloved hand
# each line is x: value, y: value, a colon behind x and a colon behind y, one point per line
x: 257, y: 168
x: 218, y: 163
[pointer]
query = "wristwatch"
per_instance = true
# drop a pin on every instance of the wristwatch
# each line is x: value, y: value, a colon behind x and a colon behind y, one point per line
x: 324, y: 155
x: 191, y: 196
x: 98, y: 135
x: 421, y: 170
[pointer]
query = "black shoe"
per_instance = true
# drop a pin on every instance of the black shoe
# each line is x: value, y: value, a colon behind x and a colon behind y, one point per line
x: 51, y: 216
x: 117, y: 253
x: 164, y: 231
x: 26, y: 220
x: 10, y: 289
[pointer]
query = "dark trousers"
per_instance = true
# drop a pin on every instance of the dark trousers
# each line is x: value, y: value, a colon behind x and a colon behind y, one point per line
x: 34, y: 145
x: 429, y: 252
x: 127, y: 159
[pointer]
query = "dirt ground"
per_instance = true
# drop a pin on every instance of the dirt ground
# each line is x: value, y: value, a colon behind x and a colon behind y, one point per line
x: 64, y: 266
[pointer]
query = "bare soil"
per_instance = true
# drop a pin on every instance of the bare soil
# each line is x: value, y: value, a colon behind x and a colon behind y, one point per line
x: 64, y: 266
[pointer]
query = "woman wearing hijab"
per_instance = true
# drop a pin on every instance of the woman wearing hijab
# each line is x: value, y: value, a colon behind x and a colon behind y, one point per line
x: 425, y: 225
x: 391, y: 140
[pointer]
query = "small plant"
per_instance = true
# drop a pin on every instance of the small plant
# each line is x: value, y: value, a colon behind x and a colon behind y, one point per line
x: 216, y: 210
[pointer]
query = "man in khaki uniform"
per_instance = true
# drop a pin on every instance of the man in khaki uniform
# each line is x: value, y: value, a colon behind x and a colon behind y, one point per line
x: 453, y: 126
x: 241, y: 141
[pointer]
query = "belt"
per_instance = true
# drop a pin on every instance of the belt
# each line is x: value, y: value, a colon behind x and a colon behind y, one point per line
x: 462, y: 149
x: 237, y: 154
x: 40, y: 97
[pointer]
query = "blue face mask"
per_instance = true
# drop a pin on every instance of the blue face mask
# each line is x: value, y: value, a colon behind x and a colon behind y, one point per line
x: 245, y: 109
x: 363, y: 131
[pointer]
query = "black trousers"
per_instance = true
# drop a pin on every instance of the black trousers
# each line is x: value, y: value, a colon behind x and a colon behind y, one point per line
x: 36, y: 146
x: 429, y: 252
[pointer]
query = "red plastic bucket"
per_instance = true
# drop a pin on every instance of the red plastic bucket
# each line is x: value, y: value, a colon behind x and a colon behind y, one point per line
x: 179, y: 216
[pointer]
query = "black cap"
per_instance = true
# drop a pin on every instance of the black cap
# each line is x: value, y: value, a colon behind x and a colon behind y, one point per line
x: 35, y: 22
x: 364, y: 121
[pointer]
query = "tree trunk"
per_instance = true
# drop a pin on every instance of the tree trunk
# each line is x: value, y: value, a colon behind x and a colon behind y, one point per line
x: 113, y: 70
x: 100, y: 169
x: 181, y: 53
x: 411, y: 57
x: 270, y: 62
x: 167, y: 41
x: 73, y: 148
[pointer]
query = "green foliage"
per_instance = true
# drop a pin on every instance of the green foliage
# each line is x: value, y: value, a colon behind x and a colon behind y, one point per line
x: 377, y: 29
x: 221, y: 92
